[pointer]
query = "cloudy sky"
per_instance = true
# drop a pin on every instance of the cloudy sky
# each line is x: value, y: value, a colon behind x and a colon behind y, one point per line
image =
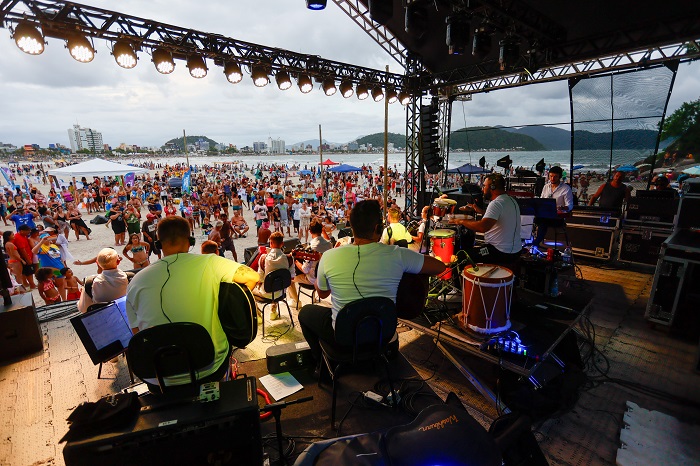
x: 42, y: 96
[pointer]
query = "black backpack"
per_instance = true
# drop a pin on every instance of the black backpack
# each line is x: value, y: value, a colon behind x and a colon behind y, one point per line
x: 237, y: 314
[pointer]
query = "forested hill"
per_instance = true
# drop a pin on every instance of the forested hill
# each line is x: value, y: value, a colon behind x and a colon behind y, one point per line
x: 475, y: 138
x: 377, y: 139
x: 190, y: 140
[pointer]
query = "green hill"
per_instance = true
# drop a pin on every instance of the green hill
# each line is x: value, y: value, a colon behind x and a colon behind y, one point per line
x: 481, y: 137
x: 377, y: 139
x: 190, y: 140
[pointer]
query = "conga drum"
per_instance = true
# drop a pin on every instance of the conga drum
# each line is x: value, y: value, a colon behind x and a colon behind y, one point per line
x: 443, y: 248
x: 486, y: 298
x: 441, y: 207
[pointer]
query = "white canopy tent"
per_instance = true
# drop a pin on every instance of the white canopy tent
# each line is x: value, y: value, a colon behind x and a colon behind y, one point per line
x: 95, y: 167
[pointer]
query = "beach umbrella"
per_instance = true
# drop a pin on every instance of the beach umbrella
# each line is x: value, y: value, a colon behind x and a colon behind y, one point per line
x: 578, y: 167
x: 694, y: 170
x: 305, y: 172
x: 328, y: 162
x: 468, y: 169
x: 626, y: 168
x: 344, y: 168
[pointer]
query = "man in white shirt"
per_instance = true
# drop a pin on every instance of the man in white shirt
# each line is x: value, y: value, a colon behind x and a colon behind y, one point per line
x: 500, y: 224
x: 108, y: 285
x: 364, y: 269
x: 561, y: 193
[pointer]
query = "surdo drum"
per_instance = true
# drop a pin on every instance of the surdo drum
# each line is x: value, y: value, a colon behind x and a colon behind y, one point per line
x: 443, y: 248
x: 486, y: 298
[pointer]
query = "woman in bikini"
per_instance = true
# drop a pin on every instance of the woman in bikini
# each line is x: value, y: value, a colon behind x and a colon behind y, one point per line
x: 14, y: 263
x: 76, y: 221
x: 61, y: 220
x: 139, y: 251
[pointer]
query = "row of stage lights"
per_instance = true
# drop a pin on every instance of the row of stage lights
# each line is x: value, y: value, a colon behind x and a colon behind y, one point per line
x: 31, y: 41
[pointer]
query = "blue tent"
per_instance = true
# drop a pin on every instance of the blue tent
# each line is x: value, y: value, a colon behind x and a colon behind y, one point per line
x: 627, y: 168
x: 578, y: 167
x: 344, y: 168
x: 468, y: 169
x: 305, y: 172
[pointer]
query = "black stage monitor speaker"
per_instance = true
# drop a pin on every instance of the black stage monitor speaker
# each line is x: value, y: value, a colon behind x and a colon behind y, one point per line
x: 19, y: 328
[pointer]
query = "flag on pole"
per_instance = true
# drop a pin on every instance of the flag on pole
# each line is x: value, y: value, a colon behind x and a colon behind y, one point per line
x: 186, y: 182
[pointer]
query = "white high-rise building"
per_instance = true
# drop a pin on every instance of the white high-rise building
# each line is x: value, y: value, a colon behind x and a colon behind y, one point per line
x: 276, y: 146
x: 85, y: 138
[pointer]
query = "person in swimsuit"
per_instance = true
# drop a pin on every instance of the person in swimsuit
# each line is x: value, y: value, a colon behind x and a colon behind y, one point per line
x: 47, y: 288
x: 76, y: 221
x: 139, y: 251
x: 14, y: 263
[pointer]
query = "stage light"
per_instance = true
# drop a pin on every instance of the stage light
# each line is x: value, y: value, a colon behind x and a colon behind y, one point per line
x: 381, y: 11
x: 124, y: 55
x: 481, y: 45
x: 233, y: 73
x: 80, y: 48
x: 509, y: 53
x: 259, y: 75
x: 377, y: 93
x: 346, y: 88
x: 404, y: 98
x: 28, y: 38
x: 416, y: 20
x: 316, y: 4
x: 329, y: 86
x: 362, y: 92
x: 457, y: 34
x: 305, y: 83
x: 391, y: 96
x: 197, y: 66
x: 163, y: 61
x: 284, y: 82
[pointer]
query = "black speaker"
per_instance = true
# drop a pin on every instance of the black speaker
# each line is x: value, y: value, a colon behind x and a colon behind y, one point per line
x: 224, y: 431
x: 430, y: 150
x: 19, y: 328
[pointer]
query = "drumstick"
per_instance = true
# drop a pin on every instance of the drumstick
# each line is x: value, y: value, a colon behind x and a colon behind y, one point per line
x: 489, y: 272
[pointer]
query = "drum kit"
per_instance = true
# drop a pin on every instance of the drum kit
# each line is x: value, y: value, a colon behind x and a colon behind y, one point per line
x: 486, y: 289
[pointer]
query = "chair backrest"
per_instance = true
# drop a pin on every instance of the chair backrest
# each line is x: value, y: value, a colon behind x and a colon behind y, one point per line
x: 170, y: 349
x: 366, y: 324
x: 277, y: 280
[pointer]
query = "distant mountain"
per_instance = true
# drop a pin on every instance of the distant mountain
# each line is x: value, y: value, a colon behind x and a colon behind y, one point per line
x: 377, y: 139
x: 479, y: 138
x: 190, y: 140
x: 551, y: 138
x: 313, y: 142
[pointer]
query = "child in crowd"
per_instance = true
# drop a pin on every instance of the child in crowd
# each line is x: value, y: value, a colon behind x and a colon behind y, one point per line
x: 47, y: 288
x: 207, y: 227
x: 72, y: 283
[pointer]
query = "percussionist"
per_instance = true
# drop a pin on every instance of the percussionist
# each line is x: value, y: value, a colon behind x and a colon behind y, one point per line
x: 500, y: 224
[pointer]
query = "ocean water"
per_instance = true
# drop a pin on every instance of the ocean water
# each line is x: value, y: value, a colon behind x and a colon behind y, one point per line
x: 597, y: 161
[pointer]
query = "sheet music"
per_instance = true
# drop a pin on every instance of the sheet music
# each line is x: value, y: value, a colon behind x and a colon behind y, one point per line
x: 106, y: 326
x: 280, y: 385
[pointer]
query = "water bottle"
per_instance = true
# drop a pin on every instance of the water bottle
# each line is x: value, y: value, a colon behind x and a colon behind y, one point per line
x: 566, y: 257
x: 554, y: 286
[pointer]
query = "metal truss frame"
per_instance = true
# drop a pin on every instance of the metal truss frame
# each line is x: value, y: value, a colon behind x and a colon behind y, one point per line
x: 685, y: 51
x: 381, y: 35
x: 60, y: 19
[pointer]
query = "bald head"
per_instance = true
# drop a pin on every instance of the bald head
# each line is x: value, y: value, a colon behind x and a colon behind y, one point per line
x: 108, y: 259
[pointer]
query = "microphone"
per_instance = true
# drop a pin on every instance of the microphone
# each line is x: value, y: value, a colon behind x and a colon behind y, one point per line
x: 471, y: 261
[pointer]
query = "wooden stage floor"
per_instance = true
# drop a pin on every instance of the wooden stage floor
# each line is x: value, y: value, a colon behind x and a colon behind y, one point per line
x: 39, y: 391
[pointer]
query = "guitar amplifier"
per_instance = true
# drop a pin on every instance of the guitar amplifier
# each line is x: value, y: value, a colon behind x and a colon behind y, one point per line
x: 641, y: 246
x: 224, y: 431
x: 288, y: 357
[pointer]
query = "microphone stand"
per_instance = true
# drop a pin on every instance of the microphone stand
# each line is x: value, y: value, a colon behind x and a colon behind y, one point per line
x: 276, y: 409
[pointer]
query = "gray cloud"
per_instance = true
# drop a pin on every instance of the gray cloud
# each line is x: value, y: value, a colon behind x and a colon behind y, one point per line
x: 43, y: 96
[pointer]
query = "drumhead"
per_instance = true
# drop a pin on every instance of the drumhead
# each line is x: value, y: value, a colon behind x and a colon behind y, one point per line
x: 488, y: 272
x: 442, y: 233
x: 444, y: 202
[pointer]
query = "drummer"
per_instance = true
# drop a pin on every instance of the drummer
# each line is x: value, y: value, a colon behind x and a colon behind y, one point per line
x: 395, y: 233
x: 500, y: 224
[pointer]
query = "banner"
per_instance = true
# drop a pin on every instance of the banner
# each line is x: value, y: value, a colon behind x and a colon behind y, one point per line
x: 186, y: 182
x: 129, y: 178
x: 6, y: 174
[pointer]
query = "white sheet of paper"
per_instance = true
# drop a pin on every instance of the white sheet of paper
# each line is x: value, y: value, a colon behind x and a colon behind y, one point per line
x: 280, y: 385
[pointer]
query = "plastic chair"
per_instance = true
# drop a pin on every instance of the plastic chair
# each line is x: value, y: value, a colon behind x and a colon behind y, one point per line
x: 364, y: 331
x: 276, y: 283
x: 171, y: 349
